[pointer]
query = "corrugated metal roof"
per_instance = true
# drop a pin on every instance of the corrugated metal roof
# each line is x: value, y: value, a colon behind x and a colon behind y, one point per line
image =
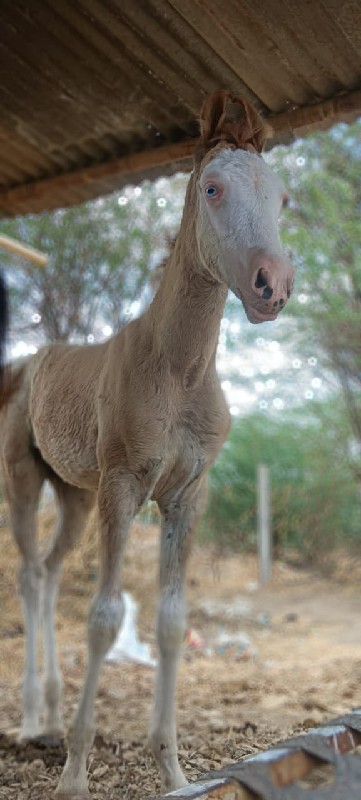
x: 106, y: 82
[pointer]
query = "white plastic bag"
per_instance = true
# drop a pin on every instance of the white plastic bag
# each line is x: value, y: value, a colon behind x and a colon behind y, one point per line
x: 127, y: 646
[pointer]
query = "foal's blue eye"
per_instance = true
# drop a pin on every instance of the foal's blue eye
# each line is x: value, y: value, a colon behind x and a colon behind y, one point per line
x: 211, y: 191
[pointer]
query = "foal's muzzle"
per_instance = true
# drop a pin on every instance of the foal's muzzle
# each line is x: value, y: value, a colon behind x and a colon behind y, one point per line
x: 269, y: 284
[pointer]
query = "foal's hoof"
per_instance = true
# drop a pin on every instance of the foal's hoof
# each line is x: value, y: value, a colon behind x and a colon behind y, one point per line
x: 72, y: 796
x: 63, y: 793
x: 177, y: 781
x: 25, y: 736
x: 49, y: 740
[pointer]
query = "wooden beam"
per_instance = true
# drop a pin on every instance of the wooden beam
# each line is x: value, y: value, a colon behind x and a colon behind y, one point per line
x: 298, y: 120
x: 128, y: 165
x: 23, y: 250
x: 302, y: 120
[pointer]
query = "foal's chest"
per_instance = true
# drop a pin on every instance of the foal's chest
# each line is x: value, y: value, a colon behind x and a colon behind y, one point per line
x: 188, y: 449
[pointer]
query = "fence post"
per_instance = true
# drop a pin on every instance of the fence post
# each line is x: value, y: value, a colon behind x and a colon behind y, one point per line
x: 264, y: 524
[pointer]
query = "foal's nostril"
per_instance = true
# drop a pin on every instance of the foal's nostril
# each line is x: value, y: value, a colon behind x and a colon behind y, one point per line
x: 261, y: 283
x: 261, y: 280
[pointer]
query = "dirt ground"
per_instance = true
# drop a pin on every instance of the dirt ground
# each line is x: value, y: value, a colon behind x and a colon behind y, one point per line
x: 268, y: 663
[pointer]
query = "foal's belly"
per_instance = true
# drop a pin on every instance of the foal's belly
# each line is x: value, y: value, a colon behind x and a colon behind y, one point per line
x: 70, y: 458
x: 67, y: 443
x: 83, y: 478
x: 62, y: 412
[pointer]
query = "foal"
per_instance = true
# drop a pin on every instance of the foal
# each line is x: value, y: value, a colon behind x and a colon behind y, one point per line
x: 142, y: 416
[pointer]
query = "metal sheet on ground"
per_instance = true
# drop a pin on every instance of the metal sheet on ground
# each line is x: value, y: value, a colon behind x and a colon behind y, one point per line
x: 280, y: 773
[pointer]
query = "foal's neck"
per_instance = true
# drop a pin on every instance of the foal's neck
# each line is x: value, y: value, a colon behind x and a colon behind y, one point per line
x: 186, y: 313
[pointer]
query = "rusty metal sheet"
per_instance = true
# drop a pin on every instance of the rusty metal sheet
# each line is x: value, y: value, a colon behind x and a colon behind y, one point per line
x: 273, y: 774
x: 346, y: 783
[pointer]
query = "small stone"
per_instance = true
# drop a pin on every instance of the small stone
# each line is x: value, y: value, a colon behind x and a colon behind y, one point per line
x: 99, y: 772
x: 37, y: 764
x: 291, y: 616
x: 115, y: 781
x: 129, y: 756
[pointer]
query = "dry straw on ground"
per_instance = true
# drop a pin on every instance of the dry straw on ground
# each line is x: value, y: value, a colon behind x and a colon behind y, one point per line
x: 304, y: 666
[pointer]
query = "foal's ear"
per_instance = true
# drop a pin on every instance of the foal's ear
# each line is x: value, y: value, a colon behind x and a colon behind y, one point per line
x: 229, y: 118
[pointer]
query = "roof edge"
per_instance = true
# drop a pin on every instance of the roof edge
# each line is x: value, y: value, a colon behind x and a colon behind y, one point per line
x: 134, y: 168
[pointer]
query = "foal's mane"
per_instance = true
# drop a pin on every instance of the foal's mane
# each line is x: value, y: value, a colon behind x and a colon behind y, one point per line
x: 157, y: 272
x: 227, y: 120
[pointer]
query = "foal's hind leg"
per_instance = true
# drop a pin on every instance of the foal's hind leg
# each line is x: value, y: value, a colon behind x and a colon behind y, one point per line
x: 74, y: 507
x: 23, y: 482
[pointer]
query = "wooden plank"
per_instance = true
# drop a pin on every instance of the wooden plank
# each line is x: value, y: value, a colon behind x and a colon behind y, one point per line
x: 23, y: 250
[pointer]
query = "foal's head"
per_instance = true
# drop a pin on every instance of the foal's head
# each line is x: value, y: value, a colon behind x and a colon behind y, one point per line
x: 240, y: 199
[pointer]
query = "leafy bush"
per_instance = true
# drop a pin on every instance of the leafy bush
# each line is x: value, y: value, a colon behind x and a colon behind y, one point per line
x: 315, y: 499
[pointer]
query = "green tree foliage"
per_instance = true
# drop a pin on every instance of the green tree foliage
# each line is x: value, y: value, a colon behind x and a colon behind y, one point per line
x: 101, y: 255
x: 322, y: 228
x: 315, y: 501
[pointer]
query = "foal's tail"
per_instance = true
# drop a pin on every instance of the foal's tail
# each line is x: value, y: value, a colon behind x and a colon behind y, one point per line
x: 4, y: 319
x: 12, y: 375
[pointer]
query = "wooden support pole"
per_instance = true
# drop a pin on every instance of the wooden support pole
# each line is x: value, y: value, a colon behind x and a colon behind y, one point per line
x: 264, y: 524
x: 23, y: 250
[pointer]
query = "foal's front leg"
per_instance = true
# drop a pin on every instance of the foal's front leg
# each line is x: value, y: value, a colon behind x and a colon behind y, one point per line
x: 180, y: 519
x: 120, y: 497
